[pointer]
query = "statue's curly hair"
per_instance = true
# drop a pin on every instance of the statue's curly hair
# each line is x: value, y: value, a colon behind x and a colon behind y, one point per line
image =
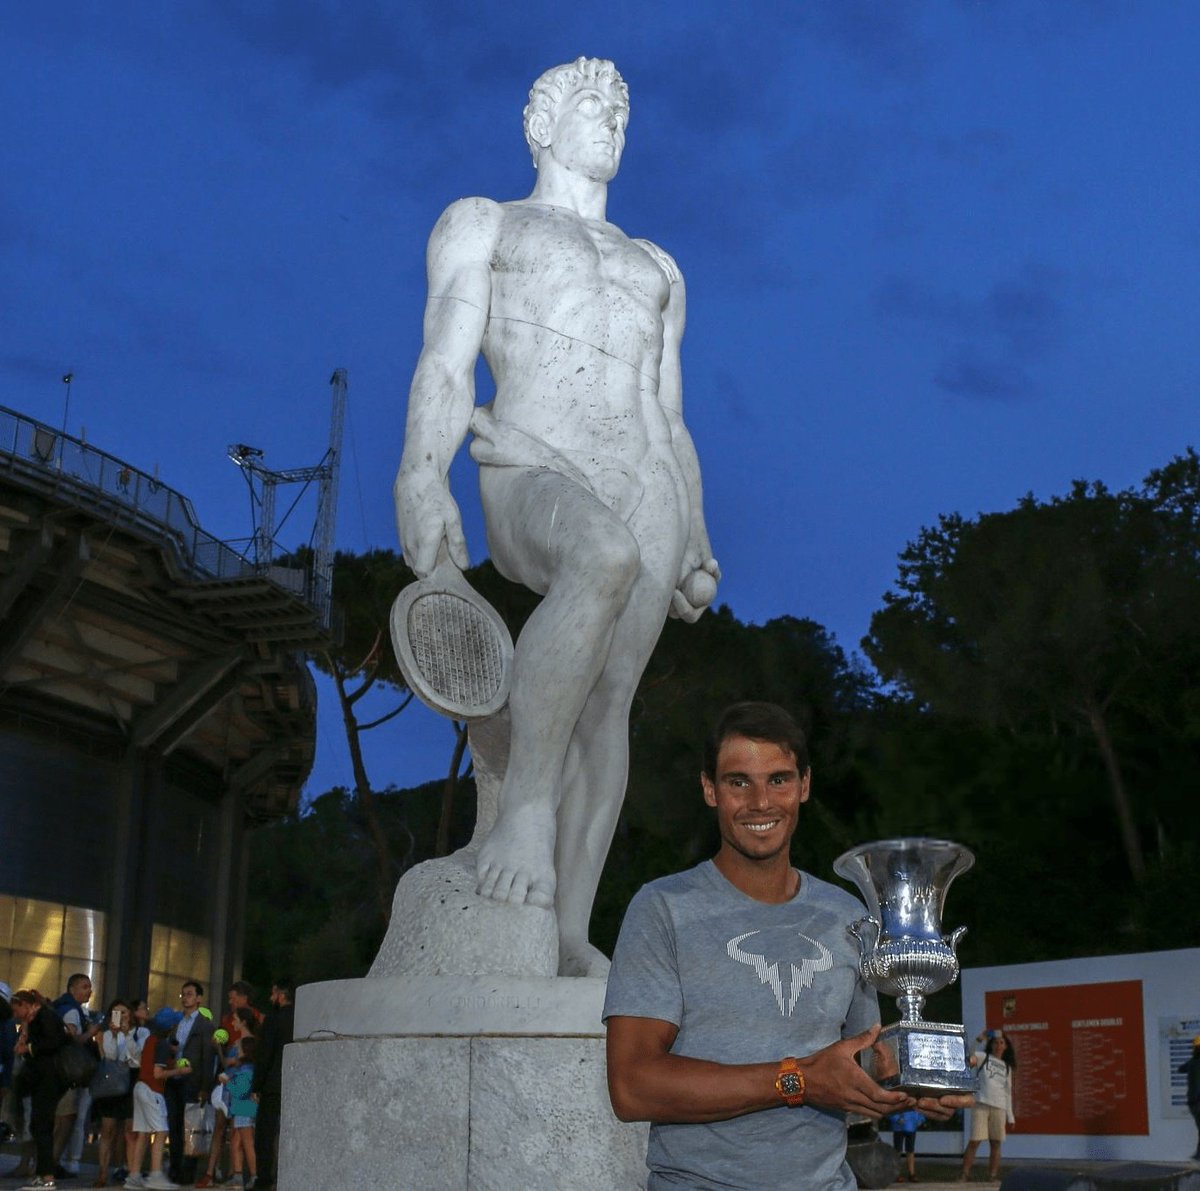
x: 551, y: 88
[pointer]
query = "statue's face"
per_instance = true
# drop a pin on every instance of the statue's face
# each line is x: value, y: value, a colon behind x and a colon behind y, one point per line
x: 588, y: 135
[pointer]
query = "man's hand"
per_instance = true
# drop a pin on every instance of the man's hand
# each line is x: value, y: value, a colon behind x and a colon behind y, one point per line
x: 833, y: 1079
x: 942, y: 1108
x: 427, y: 516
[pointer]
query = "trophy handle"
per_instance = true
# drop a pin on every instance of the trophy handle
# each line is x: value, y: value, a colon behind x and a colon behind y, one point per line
x: 866, y: 931
x: 951, y: 940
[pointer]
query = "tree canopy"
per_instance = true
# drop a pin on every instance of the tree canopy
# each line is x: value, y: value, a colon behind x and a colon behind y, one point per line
x: 1032, y: 667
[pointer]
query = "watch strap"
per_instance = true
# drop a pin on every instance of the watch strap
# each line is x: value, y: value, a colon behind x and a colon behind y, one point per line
x: 789, y: 1083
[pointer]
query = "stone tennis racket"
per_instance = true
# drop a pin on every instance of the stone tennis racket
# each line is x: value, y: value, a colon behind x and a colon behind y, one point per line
x: 454, y: 650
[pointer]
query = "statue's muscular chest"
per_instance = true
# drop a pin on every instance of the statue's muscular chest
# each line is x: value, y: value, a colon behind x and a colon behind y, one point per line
x: 550, y: 260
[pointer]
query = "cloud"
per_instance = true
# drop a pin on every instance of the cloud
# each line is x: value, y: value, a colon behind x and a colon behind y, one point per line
x: 1016, y: 322
x: 881, y: 38
x: 336, y: 44
x: 1026, y: 311
x: 27, y: 366
x: 829, y: 161
x: 967, y: 373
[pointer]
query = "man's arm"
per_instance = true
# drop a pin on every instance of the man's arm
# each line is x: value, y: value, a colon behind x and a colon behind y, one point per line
x: 699, y: 573
x: 648, y: 1083
x: 208, y: 1060
x: 264, y: 1055
x: 442, y: 395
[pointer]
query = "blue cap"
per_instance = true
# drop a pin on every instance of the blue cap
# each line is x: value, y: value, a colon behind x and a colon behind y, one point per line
x: 165, y: 1019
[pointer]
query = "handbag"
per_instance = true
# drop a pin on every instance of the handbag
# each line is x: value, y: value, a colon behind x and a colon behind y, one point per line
x: 197, y: 1129
x: 75, y: 1063
x: 111, y: 1079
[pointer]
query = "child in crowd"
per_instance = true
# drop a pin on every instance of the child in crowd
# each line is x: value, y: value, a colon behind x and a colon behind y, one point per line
x: 149, y: 1104
x: 242, y: 1110
x: 904, y: 1138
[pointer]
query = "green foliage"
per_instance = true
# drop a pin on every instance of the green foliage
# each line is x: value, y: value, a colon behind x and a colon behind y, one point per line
x: 1074, y: 616
x: 1036, y: 659
x: 311, y: 911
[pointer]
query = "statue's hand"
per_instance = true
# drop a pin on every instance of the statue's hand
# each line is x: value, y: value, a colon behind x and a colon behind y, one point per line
x: 427, y: 515
x: 696, y: 591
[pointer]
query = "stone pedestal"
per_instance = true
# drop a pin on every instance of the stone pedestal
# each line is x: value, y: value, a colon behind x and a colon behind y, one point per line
x: 453, y: 1083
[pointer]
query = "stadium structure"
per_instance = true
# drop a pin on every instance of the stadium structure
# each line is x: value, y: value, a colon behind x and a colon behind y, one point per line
x: 155, y: 705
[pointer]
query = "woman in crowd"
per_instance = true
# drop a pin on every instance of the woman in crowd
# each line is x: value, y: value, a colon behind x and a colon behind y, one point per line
x: 138, y: 1035
x: 993, y: 1111
x: 243, y: 1108
x: 42, y: 1037
x: 115, y: 1112
x: 245, y: 1021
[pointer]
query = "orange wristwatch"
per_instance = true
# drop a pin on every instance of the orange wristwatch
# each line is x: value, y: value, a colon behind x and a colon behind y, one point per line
x: 789, y: 1083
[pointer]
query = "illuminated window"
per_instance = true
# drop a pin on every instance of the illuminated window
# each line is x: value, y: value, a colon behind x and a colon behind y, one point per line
x: 43, y: 943
x: 176, y: 956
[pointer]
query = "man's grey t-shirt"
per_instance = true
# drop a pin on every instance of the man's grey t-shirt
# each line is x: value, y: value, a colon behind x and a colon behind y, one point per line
x: 746, y: 982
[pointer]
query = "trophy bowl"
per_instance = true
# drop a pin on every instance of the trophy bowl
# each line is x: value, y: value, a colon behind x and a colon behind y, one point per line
x: 903, y: 953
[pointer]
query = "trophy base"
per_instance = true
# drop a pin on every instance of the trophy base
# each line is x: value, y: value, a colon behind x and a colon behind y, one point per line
x: 923, y: 1058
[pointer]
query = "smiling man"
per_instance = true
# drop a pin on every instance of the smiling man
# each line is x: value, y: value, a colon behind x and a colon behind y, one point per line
x: 734, y: 1005
x: 589, y: 480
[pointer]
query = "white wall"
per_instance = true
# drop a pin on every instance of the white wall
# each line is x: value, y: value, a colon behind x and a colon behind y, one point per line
x: 1171, y: 1009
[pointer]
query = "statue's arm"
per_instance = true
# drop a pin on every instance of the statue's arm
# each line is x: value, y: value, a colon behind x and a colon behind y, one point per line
x: 699, y: 572
x: 442, y: 394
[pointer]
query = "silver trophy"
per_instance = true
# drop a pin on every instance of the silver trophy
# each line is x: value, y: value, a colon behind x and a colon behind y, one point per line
x: 902, y: 952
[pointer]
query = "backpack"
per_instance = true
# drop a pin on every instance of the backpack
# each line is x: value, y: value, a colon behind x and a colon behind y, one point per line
x: 75, y: 1062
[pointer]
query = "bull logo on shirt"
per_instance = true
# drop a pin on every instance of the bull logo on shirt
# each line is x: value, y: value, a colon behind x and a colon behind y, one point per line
x: 800, y: 975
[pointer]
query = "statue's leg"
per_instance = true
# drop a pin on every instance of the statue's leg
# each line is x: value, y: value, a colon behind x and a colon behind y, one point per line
x: 557, y: 539
x: 597, y: 768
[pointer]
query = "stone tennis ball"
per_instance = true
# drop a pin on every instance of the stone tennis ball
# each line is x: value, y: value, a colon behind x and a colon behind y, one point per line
x: 221, y: 1036
x: 699, y: 589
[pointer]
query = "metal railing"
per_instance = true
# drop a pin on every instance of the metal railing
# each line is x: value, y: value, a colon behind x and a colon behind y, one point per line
x: 73, y: 469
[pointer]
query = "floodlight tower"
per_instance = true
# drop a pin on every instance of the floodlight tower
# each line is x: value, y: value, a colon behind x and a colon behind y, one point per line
x: 325, y: 474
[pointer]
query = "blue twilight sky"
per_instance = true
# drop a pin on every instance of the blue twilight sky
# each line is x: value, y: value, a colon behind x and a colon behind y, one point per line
x: 938, y: 254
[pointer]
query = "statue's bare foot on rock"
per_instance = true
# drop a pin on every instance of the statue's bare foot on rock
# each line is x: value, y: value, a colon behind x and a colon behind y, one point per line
x: 516, y: 861
x: 580, y: 958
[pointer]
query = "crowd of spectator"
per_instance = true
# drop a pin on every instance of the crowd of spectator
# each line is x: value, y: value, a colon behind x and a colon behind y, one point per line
x: 170, y: 1099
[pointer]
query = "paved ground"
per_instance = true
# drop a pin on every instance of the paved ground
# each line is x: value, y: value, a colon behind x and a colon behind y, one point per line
x: 933, y: 1174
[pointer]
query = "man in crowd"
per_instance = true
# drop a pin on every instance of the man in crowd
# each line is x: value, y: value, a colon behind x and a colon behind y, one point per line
x: 194, y: 1052
x: 71, y: 1119
x: 734, y: 1007
x: 267, y: 1088
x: 239, y: 996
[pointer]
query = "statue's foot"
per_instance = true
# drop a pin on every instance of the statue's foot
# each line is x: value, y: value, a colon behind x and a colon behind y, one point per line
x: 516, y: 861
x: 580, y: 958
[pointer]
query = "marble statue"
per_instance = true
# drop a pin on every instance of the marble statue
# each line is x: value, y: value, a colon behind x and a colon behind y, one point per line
x: 588, y: 476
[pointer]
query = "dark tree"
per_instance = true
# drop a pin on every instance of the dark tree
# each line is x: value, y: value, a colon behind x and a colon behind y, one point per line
x: 1068, y: 616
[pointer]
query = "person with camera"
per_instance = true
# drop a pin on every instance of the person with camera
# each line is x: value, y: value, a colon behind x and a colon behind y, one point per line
x: 993, y: 1111
x: 116, y: 1109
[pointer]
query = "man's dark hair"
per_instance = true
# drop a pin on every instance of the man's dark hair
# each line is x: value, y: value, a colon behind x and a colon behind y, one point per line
x: 193, y: 984
x: 285, y: 985
x: 755, y: 721
x: 243, y: 988
x: 75, y: 978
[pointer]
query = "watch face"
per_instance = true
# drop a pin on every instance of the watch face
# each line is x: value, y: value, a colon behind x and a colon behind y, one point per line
x: 789, y: 1084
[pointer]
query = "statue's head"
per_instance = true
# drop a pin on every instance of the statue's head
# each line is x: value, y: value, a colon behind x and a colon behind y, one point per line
x: 561, y: 82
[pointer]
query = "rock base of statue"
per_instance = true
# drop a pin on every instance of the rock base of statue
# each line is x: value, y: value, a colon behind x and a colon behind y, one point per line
x: 455, y: 1083
x: 924, y: 1058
